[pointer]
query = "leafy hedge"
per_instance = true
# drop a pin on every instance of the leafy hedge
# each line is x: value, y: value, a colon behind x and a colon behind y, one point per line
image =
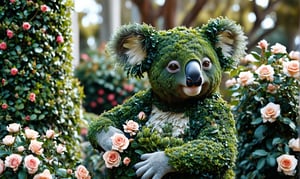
x: 37, y: 89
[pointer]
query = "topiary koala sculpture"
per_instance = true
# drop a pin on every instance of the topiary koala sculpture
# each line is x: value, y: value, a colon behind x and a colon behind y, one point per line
x: 180, y: 127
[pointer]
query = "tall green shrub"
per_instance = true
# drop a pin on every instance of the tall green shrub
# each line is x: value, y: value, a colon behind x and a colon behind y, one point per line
x: 37, y: 89
x: 265, y: 99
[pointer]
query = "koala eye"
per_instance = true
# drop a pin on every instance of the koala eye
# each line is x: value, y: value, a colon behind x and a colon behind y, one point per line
x: 173, y: 66
x: 206, y: 64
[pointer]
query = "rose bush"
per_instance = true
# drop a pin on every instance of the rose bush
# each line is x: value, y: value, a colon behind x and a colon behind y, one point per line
x: 265, y: 92
x: 30, y: 154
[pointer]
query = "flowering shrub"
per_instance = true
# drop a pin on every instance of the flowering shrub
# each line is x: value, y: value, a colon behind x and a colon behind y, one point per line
x: 265, y: 99
x: 25, y: 153
x: 37, y: 87
x: 104, y: 84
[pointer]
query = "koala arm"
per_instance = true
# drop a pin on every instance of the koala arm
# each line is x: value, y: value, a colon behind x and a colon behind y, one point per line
x: 108, y: 122
x: 213, y: 150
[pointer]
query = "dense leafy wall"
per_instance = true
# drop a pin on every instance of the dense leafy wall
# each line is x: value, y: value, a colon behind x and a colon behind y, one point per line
x: 37, y: 89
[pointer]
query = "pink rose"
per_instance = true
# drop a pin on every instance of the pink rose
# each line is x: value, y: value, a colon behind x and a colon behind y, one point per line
x: 2, y: 166
x: 141, y: 116
x: 59, y: 39
x: 50, y: 134
x: 44, y: 8
x: 8, y: 140
x: 13, y: 161
x: 9, y: 33
x: 100, y: 100
x: 82, y: 173
x: 4, y: 106
x: 126, y: 161
x: 36, y: 147
x: 294, y: 55
x: 21, y: 149
x: 3, y: 46
x: 31, y: 134
x: 291, y: 68
x: 32, y: 97
x: 85, y: 57
x: 60, y: 149
x: 101, y: 92
x: 111, y: 97
x: 278, y: 48
x: 26, y: 26
x: 131, y: 127
x: 13, y: 128
x: 119, y: 142
x: 31, y: 163
x: 263, y: 44
x: 245, y: 78
x: 27, y: 118
x: 287, y: 164
x: 44, y: 175
x: 112, y: 158
x: 3, y: 81
x: 93, y: 104
x: 295, y: 144
x: 12, y: 1
x: 14, y: 71
x: 270, y: 112
x: 229, y: 83
x: 265, y: 72
x: 128, y: 87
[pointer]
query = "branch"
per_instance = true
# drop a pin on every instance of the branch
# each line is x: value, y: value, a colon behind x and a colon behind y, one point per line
x: 146, y: 11
x: 191, y: 16
x: 169, y: 13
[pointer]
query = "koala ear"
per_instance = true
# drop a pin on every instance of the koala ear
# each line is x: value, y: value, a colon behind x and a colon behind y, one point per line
x: 133, y: 45
x: 228, y: 40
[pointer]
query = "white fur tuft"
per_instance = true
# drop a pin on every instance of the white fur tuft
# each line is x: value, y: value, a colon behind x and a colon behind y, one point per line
x: 134, y: 50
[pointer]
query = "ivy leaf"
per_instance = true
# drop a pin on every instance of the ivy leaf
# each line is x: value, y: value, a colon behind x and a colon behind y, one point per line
x: 259, y: 132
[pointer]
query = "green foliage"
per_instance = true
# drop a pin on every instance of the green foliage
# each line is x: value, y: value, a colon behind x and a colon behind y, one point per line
x: 264, y: 136
x: 105, y: 85
x: 37, y: 89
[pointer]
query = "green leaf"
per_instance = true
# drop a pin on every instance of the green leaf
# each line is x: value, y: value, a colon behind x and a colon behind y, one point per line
x: 259, y: 132
x: 276, y: 141
x: 22, y: 174
x: 256, y: 121
x: 261, y: 163
x: 61, y: 172
x: 259, y: 153
x: 271, y: 160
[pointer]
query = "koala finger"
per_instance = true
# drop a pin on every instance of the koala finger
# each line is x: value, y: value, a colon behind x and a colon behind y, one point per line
x: 140, y: 164
x: 146, y: 156
x: 148, y: 174
x: 140, y: 171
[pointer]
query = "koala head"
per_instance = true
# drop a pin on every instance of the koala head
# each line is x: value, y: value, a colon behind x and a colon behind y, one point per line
x: 182, y: 63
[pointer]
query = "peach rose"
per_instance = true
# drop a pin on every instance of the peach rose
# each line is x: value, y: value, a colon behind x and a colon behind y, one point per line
x: 21, y: 149
x: 60, y: 148
x: 126, y: 161
x: 8, y: 140
x: 131, y: 127
x: 248, y: 59
x: 245, y: 78
x: 50, y: 134
x: 270, y: 112
x: 291, y: 68
x: 295, y: 144
x: 31, y: 134
x: 278, y: 48
x: 229, y: 83
x: 36, y: 147
x: 119, y: 142
x: 44, y: 175
x: 294, y: 55
x: 265, y: 72
x: 287, y: 164
x: 263, y: 44
x: 112, y: 158
x: 31, y: 163
x: 82, y: 173
x: 13, y: 128
x: 141, y: 116
x: 272, y: 88
x: 13, y: 161
x: 2, y: 166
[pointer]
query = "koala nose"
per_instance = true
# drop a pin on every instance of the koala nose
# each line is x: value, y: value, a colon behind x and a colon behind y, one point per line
x: 193, y: 74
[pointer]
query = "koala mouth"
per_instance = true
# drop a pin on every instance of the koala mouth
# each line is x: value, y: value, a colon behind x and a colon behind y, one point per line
x: 192, y: 90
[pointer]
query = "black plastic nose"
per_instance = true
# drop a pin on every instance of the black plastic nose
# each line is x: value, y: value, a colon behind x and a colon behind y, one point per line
x: 193, y: 74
